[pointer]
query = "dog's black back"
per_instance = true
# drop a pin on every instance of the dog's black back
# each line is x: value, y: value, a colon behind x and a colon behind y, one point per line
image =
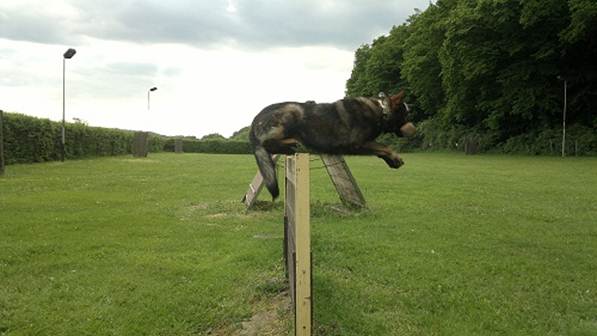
x: 338, y: 128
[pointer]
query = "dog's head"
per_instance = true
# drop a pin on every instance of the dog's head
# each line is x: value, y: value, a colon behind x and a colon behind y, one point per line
x: 397, y: 113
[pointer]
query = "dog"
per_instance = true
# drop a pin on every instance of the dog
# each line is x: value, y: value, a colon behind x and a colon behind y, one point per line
x: 347, y: 126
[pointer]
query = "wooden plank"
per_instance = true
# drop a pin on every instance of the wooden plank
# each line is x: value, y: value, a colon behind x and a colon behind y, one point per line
x: 1, y: 142
x: 345, y: 184
x: 178, y: 146
x: 255, y: 187
x: 140, y: 144
x: 303, y: 246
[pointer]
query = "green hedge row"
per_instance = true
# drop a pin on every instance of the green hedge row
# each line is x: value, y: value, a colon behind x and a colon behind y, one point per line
x: 211, y: 146
x: 580, y: 140
x: 29, y: 139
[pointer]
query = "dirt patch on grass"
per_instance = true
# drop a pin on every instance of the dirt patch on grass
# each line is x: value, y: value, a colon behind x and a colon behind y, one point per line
x: 271, y: 318
x: 199, y: 206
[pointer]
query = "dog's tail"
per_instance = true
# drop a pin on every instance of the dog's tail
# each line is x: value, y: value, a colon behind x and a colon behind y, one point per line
x: 266, y: 165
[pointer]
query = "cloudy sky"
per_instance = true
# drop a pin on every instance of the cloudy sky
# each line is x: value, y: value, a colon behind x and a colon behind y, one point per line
x: 215, y: 63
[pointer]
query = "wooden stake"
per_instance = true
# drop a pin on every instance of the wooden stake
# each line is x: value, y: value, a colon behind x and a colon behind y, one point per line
x: 303, y: 245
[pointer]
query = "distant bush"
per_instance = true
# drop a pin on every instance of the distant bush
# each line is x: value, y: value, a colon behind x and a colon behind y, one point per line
x: 211, y: 146
x: 580, y: 140
x: 29, y: 139
x: 242, y: 134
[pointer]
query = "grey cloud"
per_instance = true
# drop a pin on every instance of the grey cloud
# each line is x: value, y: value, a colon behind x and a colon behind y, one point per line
x: 133, y: 69
x: 254, y: 24
x: 33, y: 26
x: 171, y: 72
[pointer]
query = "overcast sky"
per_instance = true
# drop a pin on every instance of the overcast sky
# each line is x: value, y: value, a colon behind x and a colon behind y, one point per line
x: 215, y: 63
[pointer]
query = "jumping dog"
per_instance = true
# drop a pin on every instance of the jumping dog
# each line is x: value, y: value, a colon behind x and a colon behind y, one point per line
x: 347, y: 126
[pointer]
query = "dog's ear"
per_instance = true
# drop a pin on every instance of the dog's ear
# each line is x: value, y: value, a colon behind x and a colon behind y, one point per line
x: 397, y: 98
x: 385, y: 101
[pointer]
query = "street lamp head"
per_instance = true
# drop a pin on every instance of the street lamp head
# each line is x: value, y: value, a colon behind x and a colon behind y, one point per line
x: 69, y: 53
x: 153, y: 88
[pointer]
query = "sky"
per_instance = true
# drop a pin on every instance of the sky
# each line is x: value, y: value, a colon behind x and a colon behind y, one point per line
x: 215, y: 63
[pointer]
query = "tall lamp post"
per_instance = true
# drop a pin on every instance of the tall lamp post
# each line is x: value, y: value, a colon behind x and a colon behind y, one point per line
x: 564, y: 116
x: 67, y: 55
x: 148, y: 92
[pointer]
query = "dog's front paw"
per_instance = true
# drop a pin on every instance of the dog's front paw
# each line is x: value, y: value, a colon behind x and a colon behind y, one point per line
x: 393, y: 161
x: 397, y: 162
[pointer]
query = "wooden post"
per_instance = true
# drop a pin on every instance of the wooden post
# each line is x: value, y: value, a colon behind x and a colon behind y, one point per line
x: 1, y: 142
x: 298, y: 239
x: 178, y: 146
x: 345, y: 184
x: 140, y: 144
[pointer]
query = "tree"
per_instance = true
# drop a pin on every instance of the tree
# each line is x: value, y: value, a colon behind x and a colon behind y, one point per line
x: 213, y: 136
x: 488, y: 67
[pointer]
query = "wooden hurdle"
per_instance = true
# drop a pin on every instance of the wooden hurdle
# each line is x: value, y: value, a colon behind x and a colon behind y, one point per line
x: 339, y: 173
x: 297, y: 241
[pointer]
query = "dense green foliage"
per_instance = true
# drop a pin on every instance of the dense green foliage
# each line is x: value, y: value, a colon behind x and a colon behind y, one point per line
x: 218, y: 146
x: 451, y: 245
x: 30, y: 139
x: 488, y: 70
x: 242, y: 134
x: 213, y: 136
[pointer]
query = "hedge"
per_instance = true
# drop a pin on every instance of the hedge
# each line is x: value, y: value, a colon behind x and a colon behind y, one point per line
x: 30, y: 139
x: 211, y: 146
x: 580, y: 140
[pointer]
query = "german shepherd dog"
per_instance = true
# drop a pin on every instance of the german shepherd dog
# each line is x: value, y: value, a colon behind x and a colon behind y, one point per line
x: 347, y: 126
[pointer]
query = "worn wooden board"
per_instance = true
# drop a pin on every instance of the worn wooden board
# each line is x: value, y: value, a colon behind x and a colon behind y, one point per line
x: 345, y: 184
x: 178, y: 146
x: 140, y: 144
x: 255, y: 187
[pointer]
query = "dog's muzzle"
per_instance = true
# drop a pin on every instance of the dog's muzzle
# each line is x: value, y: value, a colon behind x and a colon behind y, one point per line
x: 408, y: 129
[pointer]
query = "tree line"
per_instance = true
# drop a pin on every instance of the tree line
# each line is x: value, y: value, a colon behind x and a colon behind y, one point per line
x: 492, y: 71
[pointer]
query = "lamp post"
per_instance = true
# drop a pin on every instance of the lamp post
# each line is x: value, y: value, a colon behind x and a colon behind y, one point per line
x: 148, y: 92
x: 67, y: 55
x: 564, y: 116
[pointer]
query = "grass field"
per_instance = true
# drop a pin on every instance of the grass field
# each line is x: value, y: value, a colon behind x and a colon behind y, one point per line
x: 451, y: 245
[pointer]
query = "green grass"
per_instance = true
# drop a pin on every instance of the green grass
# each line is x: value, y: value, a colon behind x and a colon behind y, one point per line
x: 451, y: 245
